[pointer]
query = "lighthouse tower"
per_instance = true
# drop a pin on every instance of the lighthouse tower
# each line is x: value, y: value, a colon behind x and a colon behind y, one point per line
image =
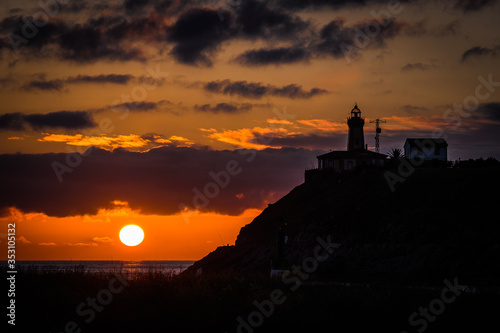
x: 356, y: 138
x: 356, y: 157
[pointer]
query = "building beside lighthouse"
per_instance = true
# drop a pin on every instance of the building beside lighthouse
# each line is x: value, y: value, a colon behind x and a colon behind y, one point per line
x: 357, y: 156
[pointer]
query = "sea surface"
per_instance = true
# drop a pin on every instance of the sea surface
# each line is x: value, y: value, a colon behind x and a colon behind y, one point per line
x: 96, y: 266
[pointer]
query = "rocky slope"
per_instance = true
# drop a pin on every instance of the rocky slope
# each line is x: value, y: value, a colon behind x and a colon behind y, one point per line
x: 438, y: 224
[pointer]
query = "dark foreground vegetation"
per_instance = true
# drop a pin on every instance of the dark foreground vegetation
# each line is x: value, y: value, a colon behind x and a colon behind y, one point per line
x: 154, y: 302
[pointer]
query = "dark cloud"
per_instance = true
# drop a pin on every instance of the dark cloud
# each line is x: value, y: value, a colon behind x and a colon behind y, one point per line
x: 157, y: 181
x: 4, y: 81
x: 413, y: 109
x: 416, y: 66
x: 310, y: 141
x: 15, y: 10
x: 478, y: 51
x: 70, y: 120
x: 472, y: 5
x: 257, y: 19
x: 464, y: 5
x: 198, y: 33
x: 171, y: 7
x: 418, y: 29
x: 74, y: 7
x: 195, y: 33
x: 224, y: 108
x: 333, y: 37
x: 99, y: 38
x: 196, y: 30
x: 87, y: 44
x: 338, y: 40
x: 132, y: 6
x: 144, y: 106
x: 51, y: 85
x: 277, y: 56
x: 146, y: 29
x: 61, y: 119
x: 449, y: 29
x: 103, y: 78
x: 12, y: 121
x: 140, y: 106
x: 490, y: 110
x: 258, y: 90
x: 58, y: 84
x: 14, y: 26
x: 318, y: 4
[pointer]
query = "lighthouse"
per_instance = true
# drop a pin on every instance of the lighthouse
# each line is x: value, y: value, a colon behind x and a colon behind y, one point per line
x: 356, y: 138
x: 356, y: 157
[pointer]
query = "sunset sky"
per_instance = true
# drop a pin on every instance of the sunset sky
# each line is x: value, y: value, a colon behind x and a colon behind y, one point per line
x: 232, y: 100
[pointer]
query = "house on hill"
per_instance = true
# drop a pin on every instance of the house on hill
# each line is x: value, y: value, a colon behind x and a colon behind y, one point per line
x: 341, y: 161
x: 356, y: 156
x: 426, y: 148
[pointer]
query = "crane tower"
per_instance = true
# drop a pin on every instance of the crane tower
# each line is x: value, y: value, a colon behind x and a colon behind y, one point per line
x: 378, y: 130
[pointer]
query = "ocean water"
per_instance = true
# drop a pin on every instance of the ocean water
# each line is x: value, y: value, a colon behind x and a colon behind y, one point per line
x: 96, y: 266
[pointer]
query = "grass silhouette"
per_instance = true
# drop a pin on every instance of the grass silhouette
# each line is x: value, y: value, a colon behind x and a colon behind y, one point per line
x: 157, y: 302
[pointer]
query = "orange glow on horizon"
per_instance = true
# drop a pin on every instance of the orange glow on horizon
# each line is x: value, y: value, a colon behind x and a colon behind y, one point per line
x: 186, y: 236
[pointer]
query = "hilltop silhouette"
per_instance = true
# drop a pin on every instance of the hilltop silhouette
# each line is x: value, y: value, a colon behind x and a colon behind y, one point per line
x: 439, y: 223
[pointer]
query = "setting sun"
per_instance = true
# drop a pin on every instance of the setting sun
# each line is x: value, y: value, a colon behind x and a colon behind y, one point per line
x: 131, y: 235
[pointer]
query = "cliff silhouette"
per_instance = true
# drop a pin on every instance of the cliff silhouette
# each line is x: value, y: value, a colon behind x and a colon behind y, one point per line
x: 439, y: 223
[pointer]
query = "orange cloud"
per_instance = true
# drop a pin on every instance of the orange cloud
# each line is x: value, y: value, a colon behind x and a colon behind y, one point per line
x: 178, y: 138
x: 104, y: 239
x: 23, y: 240
x: 15, y: 215
x: 323, y: 125
x: 249, y: 137
x: 413, y: 123
x: 159, y: 139
x: 62, y: 138
x: 181, y: 141
x: 277, y: 121
x: 82, y: 244
x: 119, y: 141
x: 47, y: 244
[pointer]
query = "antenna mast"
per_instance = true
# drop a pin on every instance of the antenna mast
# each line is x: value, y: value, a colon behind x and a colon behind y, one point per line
x: 378, y: 130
